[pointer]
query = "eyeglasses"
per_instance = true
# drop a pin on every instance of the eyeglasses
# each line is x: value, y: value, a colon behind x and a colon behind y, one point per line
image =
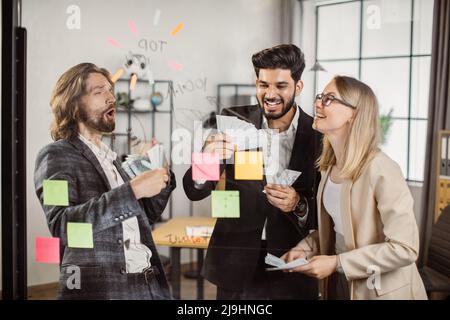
x: 327, y: 99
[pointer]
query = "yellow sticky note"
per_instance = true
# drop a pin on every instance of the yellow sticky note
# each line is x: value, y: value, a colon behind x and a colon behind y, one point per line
x: 248, y: 165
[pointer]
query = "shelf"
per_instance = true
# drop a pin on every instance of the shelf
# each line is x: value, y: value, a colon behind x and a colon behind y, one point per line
x: 120, y: 134
x: 128, y: 112
x: 142, y: 111
x: 144, y: 81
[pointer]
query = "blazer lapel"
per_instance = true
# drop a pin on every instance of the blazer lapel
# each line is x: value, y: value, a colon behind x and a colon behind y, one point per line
x: 122, y: 172
x: 258, y: 119
x: 90, y: 156
x: 295, y: 150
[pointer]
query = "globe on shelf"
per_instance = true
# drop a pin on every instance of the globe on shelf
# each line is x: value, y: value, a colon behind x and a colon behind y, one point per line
x: 156, y: 99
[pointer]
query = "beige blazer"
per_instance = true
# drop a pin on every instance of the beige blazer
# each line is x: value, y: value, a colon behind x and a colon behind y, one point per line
x: 380, y: 232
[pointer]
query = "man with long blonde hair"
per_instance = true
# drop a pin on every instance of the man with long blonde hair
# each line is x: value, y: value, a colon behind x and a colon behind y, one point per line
x: 123, y: 262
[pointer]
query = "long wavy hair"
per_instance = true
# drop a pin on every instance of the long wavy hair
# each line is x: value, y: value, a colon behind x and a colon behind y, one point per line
x: 65, y: 101
x: 364, y: 132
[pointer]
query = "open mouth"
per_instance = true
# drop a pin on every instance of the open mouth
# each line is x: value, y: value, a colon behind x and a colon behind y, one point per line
x: 110, y: 113
x: 320, y: 116
x: 273, y: 104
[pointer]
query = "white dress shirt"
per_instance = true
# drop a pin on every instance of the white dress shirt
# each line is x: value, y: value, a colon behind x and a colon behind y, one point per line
x: 286, y: 140
x: 137, y: 255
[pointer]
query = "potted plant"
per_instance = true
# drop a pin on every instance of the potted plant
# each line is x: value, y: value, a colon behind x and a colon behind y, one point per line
x: 385, y: 124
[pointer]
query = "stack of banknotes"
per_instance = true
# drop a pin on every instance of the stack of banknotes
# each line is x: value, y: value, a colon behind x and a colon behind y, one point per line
x: 136, y: 164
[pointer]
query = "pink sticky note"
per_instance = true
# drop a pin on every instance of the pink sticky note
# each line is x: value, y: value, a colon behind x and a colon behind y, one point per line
x: 205, y: 166
x: 132, y: 27
x: 47, y: 250
x: 114, y: 43
x: 175, y: 66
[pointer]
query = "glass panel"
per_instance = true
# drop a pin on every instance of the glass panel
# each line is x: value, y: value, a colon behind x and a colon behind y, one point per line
x: 392, y: 88
x: 179, y: 49
x: 1, y: 250
x: 417, y: 149
x: 345, y: 68
x: 386, y: 28
x: 397, y: 142
x: 423, y: 26
x: 420, y: 87
x: 338, y: 31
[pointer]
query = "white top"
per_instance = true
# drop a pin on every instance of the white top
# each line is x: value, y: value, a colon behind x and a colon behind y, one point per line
x: 332, y: 203
x: 137, y: 255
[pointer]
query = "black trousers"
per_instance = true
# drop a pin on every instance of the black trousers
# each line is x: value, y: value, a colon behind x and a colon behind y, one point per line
x: 145, y: 286
x: 271, y: 285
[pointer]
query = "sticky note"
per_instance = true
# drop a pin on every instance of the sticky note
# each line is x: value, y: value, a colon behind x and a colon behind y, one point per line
x: 47, y: 250
x: 225, y: 204
x: 248, y: 165
x: 114, y: 43
x: 156, y: 17
x: 79, y: 235
x: 175, y: 66
x: 132, y: 27
x: 205, y: 166
x: 56, y: 193
x: 177, y: 28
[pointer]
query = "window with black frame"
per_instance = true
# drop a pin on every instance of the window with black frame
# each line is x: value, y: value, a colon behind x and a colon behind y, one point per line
x: 386, y: 44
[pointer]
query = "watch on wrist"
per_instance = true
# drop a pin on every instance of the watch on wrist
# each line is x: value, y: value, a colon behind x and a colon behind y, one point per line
x: 301, y: 207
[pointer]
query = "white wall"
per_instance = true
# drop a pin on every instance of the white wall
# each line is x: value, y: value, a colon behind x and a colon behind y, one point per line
x: 217, y: 42
x: 307, y: 44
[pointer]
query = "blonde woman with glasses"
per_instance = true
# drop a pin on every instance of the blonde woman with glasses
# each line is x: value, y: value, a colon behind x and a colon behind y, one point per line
x: 367, y: 240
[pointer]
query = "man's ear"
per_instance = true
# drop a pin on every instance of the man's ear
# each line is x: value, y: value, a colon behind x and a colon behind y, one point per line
x: 298, y: 87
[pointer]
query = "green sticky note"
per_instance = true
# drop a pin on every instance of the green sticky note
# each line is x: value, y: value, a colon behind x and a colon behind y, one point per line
x: 79, y: 235
x: 225, y: 204
x: 56, y: 193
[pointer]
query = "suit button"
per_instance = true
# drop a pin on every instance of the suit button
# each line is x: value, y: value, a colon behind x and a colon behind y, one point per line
x: 116, y: 219
x: 119, y: 241
x: 121, y: 217
x: 130, y: 213
x: 123, y: 271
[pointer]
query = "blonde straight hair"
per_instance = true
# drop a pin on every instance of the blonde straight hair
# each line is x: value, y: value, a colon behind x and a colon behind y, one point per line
x: 364, y: 133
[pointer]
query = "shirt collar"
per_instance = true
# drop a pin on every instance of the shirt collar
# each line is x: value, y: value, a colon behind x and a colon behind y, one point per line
x: 103, y: 152
x: 293, y: 125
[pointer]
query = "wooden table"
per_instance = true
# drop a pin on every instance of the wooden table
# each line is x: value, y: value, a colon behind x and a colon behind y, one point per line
x: 173, y: 234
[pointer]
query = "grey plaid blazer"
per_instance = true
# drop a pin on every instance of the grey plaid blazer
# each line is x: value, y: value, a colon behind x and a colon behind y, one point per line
x: 92, y: 200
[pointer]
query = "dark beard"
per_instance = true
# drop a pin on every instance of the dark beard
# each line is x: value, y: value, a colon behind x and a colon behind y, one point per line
x: 286, y: 109
x: 96, y: 122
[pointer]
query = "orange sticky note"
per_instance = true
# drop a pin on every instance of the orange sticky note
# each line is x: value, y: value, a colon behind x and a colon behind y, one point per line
x: 177, y: 28
x: 248, y: 165
x: 47, y: 250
